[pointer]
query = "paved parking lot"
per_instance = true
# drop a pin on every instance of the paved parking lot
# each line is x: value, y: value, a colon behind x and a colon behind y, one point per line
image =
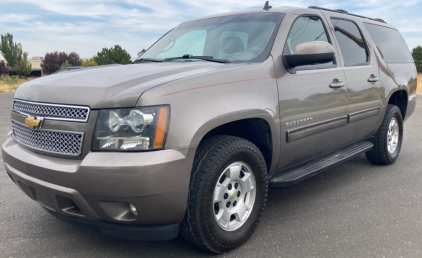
x: 354, y: 210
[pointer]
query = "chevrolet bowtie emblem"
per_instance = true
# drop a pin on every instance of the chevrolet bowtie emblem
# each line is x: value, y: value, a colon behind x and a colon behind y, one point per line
x: 234, y: 195
x: 33, y: 122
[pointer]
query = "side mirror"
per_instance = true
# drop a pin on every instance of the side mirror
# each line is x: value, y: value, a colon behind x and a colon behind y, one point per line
x: 309, y: 53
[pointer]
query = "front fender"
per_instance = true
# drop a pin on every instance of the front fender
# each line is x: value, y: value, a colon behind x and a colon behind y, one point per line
x: 267, y: 116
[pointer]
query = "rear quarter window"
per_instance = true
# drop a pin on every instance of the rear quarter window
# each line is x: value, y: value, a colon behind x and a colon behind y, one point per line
x: 390, y: 44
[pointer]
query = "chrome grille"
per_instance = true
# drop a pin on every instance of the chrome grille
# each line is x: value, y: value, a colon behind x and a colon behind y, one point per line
x: 59, y: 142
x: 52, y: 111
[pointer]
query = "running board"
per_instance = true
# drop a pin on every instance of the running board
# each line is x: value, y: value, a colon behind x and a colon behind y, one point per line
x: 308, y: 169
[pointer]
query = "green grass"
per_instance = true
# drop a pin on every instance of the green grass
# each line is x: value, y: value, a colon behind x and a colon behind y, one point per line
x: 9, y: 84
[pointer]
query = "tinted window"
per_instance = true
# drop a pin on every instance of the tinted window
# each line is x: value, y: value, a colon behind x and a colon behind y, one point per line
x: 351, y: 42
x: 305, y: 29
x: 390, y: 44
x: 237, y: 38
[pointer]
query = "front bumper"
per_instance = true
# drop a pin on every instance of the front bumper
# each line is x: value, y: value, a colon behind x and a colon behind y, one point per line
x: 99, y: 188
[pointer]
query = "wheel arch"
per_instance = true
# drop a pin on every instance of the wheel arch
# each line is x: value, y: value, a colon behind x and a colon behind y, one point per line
x: 400, y: 99
x: 254, y: 125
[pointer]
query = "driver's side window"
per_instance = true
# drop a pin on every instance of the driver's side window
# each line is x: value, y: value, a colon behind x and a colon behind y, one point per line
x: 306, y: 29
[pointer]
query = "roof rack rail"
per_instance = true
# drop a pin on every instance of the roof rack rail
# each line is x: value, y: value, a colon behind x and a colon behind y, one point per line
x: 346, y: 12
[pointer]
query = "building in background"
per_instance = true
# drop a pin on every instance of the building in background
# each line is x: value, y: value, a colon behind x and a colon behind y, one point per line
x: 36, y: 65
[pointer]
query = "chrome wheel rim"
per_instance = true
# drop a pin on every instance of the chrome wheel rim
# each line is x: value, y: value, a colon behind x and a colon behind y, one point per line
x: 234, y: 196
x: 393, y: 135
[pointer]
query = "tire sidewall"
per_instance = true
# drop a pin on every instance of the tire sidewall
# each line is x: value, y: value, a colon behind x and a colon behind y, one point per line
x: 235, y: 237
x: 397, y: 115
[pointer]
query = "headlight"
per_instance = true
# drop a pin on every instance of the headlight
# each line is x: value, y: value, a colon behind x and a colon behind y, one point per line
x: 131, y: 129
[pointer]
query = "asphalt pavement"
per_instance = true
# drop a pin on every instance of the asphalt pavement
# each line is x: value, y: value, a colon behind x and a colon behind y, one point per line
x: 353, y: 210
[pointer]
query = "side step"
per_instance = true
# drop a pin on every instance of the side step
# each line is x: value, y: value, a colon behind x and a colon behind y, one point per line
x: 295, y: 174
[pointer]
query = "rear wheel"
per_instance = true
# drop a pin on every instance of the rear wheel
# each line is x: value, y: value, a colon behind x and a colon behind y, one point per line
x: 227, y: 195
x: 388, y: 140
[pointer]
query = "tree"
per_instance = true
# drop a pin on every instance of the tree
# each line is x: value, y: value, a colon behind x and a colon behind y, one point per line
x: 53, y: 61
x: 11, y: 51
x: 27, y: 69
x: 22, y: 66
x: 89, y: 62
x: 65, y: 64
x: 74, y: 59
x: 114, y: 55
x: 141, y: 52
x: 417, y: 56
x: 4, y: 68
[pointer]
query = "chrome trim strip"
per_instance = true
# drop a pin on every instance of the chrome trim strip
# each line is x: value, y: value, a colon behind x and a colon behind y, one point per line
x: 56, y: 131
x: 305, y: 131
x: 53, y: 105
x: 357, y: 116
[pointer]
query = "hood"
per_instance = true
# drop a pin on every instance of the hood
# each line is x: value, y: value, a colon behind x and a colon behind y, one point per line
x: 109, y: 86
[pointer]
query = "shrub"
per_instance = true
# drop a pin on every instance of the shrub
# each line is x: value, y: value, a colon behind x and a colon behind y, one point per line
x: 89, y: 62
x: 417, y: 56
x: 27, y: 70
x: 114, y: 55
x: 53, y: 61
x: 23, y: 66
x: 4, y: 68
x: 65, y: 64
x: 141, y: 52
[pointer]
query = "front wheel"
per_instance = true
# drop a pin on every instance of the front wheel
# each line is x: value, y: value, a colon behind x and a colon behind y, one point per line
x: 389, y: 138
x: 227, y: 194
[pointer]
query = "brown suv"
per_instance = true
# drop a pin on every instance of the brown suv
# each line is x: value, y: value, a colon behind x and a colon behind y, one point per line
x: 189, y: 137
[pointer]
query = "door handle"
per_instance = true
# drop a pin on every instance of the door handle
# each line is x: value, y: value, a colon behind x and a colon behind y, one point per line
x: 373, y: 78
x: 336, y: 84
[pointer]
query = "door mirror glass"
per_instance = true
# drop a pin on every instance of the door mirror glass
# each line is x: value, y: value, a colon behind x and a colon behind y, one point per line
x: 309, y: 53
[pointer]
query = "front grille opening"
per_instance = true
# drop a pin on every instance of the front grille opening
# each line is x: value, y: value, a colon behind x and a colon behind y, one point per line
x: 69, y: 206
x: 66, y: 143
x: 54, y: 111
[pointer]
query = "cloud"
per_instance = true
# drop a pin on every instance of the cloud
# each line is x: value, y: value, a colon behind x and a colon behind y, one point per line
x: 87, y: 26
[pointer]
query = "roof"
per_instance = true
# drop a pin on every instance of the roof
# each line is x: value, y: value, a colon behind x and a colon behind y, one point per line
x: 286, y: 9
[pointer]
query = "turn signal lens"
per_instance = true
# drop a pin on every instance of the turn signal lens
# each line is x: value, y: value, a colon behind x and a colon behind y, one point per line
x: 160, y: 132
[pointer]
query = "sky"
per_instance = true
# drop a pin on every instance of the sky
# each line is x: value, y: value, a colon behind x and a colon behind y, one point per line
x: 86, y: 26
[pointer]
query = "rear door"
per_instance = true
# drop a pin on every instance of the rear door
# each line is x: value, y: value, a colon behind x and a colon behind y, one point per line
x: 362, y: 78
x: 313, y: 113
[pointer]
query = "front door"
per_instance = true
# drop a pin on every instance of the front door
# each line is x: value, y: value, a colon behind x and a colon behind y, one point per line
x: 312, y: 102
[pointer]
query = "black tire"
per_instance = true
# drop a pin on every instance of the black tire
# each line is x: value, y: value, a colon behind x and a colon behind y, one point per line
x: 213, y: 156
x: 379, y: 154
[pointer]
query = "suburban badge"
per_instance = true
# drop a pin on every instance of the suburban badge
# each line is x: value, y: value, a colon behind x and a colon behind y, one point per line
x: 299, y: 122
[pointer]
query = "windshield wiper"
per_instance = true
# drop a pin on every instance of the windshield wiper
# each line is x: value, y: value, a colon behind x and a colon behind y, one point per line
x: 148, y: 60
x: 206, y: 58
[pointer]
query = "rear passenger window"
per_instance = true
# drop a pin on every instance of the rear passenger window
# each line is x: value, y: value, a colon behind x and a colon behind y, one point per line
x: 390, y: 44
x: 306, y: 29
x: 351, y: 42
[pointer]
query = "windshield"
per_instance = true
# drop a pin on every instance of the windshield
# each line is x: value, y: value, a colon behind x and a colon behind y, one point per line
x: 236, y: 38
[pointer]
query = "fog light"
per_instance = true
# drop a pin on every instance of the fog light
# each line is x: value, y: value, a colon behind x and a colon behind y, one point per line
x: 133, y: 209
